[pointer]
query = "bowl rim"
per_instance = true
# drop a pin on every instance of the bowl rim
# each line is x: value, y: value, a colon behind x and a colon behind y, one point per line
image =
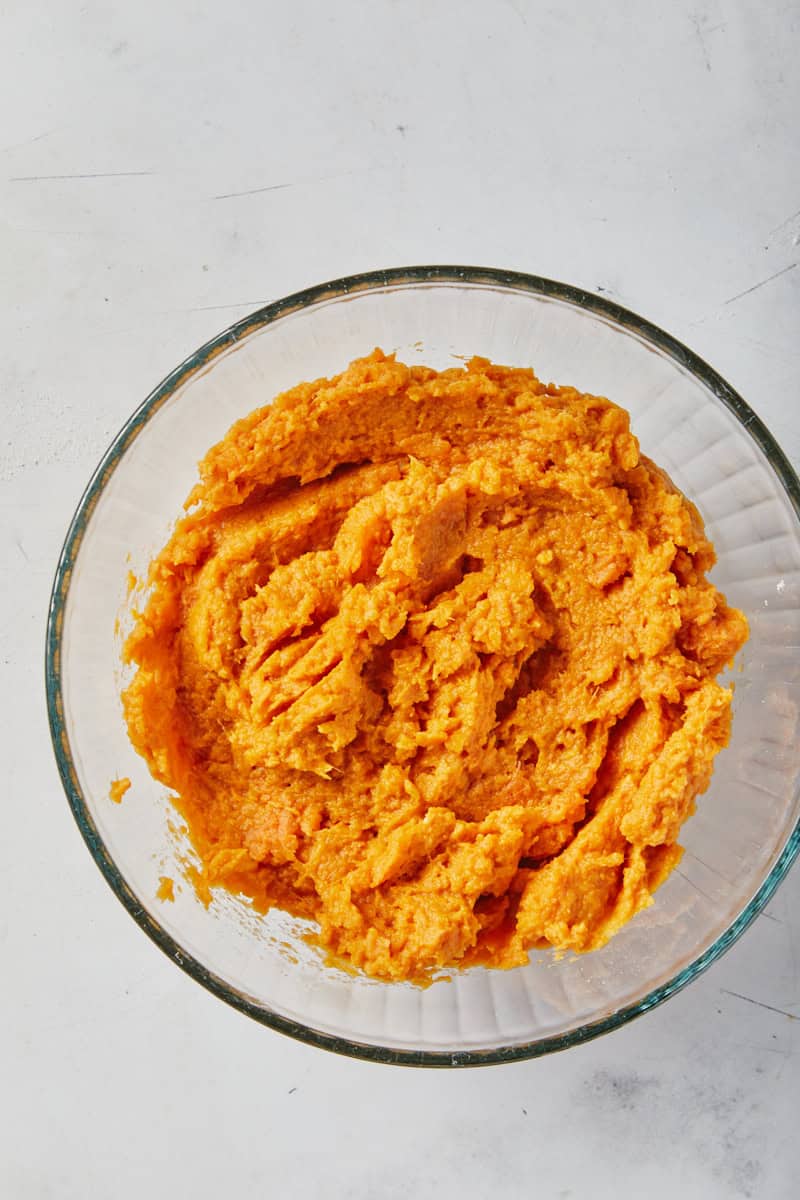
x: 383, y: 280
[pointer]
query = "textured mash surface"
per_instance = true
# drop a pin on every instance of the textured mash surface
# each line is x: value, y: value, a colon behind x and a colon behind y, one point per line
x: 432, y: 660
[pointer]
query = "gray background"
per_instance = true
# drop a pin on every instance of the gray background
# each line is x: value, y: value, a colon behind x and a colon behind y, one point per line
x: 165, y: 168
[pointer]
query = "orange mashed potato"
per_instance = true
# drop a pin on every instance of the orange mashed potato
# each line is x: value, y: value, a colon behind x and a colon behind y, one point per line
x: 118, y: 789
x: 431, y: 661
x: 166, y: 888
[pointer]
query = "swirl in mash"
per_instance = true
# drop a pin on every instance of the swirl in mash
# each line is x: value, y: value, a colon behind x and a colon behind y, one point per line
x: 431, y: 660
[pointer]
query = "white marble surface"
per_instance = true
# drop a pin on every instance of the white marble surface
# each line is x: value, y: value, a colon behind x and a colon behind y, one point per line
x: 164, y: 168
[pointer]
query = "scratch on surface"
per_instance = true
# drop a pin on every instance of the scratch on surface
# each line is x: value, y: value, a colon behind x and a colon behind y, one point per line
x: 783, y: 224
x: 770, y: 1007
x: 309, y: 181
x: 275, y: 187
x: 770, y: 917
x: 708, y: 867
x: 763, y: 282
x: 93, y: 175
x: 28, y: 141
x: 781, y: 352
x: 21, y: 549
x: 692, y: 883
x: 696, y: 22
x: 213, y: 307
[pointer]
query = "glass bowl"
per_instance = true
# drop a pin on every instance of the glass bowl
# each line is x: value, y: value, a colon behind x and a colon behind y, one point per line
x: 745, y: 833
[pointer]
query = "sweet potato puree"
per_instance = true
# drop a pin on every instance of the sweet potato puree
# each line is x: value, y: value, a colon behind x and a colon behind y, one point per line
x: 431, y: 660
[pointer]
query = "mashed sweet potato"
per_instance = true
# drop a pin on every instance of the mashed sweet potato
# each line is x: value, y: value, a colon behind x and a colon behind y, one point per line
x: 431, y: 660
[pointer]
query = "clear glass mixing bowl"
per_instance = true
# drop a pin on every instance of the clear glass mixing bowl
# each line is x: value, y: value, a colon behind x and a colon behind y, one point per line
x: 745, y: 833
